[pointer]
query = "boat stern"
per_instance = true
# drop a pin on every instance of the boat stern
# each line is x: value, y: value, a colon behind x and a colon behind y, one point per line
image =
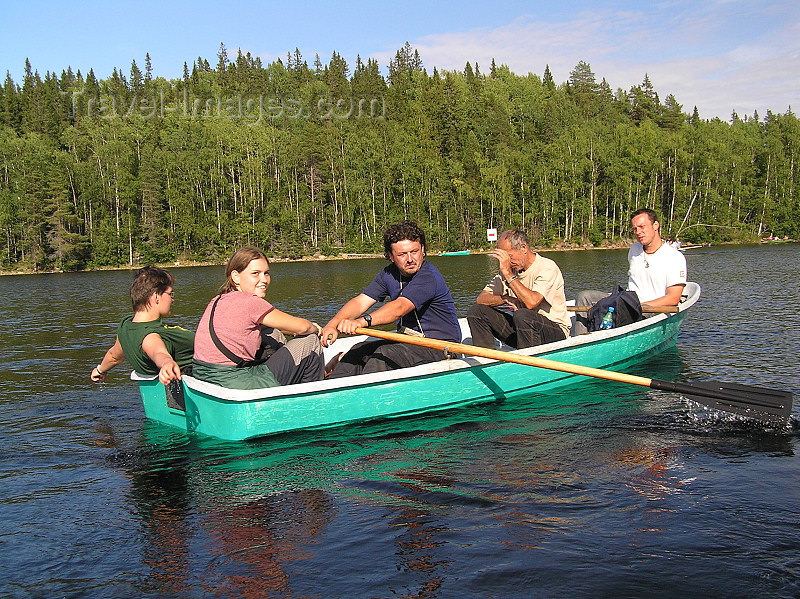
x: 165, y: 404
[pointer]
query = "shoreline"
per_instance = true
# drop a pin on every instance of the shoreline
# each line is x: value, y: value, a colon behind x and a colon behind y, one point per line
x: 320, y: 257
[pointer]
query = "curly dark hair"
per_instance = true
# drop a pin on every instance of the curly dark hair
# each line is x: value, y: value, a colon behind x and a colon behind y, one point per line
x: 407, y: 230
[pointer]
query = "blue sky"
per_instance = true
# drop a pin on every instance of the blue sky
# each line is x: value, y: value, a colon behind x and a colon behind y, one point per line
x: 718, y: 55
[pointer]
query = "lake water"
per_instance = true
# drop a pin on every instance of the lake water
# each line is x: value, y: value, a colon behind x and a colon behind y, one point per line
x: 625, y: 492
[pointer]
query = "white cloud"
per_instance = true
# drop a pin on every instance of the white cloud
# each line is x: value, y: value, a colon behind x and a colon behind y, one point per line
x: 719, y: 57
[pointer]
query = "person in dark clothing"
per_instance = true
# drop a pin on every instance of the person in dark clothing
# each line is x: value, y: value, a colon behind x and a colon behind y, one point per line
x: 419, y: 302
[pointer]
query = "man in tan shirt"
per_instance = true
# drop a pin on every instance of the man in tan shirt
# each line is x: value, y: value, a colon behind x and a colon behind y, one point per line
x: 524, y: 305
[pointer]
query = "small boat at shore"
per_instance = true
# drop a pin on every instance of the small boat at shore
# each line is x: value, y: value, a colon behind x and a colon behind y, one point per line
x: 456, y: 253
x: 201, y: 407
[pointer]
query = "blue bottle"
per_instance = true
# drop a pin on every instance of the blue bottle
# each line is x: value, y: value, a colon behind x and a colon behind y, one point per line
x: 608, y: 319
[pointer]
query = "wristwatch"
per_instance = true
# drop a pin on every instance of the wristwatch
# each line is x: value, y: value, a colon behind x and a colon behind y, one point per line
x: 368, y: 318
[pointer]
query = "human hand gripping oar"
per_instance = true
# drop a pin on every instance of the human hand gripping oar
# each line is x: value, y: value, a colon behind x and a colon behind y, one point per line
x: 755, y: 402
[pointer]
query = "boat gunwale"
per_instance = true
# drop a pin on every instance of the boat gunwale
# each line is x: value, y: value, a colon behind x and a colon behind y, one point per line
x: 237, y: 396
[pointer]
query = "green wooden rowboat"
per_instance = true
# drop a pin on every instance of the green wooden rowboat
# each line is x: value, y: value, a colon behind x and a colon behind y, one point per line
x: 237, y: 415
x: 456, y: 253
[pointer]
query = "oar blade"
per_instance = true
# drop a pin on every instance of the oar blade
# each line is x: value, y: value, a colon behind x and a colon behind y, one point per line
x: 746, y: 400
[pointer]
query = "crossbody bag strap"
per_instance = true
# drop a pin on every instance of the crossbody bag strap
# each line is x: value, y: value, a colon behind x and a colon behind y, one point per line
x: 400, y: 326
x: 225, y: 351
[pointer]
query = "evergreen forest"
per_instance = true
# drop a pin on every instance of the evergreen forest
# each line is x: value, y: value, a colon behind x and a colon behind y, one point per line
x: 303, y: 159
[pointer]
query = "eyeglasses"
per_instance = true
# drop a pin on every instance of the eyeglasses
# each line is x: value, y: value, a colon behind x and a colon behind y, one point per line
x: 169, y: 293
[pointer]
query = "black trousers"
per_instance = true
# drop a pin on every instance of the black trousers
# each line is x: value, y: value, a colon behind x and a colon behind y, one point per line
x: 521, y: 328
x: 382, y: 355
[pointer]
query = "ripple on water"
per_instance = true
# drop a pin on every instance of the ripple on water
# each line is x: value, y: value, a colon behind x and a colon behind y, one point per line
x: 604, y: 489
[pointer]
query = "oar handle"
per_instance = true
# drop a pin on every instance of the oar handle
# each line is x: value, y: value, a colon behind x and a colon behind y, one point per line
x: 645, y: 309
x: 504, y: 356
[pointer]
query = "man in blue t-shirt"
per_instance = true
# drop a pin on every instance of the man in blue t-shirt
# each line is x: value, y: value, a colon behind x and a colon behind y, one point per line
x: 419, y: 302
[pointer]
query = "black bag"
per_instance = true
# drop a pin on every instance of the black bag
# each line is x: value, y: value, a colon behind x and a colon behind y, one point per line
x: 627, y: 309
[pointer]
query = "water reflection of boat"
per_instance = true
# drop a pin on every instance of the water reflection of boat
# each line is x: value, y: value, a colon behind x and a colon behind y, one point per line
x: 214, y: 516
x: 236, y: 414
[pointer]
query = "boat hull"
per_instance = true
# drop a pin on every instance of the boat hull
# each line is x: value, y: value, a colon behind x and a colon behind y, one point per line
x: 238, y: 415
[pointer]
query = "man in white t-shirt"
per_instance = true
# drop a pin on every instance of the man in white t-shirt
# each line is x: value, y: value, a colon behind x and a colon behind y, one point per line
x: 656, y: 270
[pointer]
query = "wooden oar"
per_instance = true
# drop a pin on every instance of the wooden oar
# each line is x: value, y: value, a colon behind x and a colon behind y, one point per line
x: 645, y: 309
x: 755, y: 402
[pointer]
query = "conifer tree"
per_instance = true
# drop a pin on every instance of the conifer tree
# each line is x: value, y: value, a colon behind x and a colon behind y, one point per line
x: 547, y: 78
x: 455, y: 150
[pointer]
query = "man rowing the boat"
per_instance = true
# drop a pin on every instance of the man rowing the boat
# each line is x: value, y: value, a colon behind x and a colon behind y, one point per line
x: 524, y: 305
x: 656, y: 270
x: 419, y: 302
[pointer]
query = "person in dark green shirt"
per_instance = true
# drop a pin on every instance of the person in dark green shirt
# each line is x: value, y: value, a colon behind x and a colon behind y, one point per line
x: 150, y: 346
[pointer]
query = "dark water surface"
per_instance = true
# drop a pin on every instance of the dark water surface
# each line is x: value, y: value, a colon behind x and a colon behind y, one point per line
x: 608, y: 491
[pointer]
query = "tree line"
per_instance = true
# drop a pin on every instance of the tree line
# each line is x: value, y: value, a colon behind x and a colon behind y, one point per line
x: 301, y: 159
